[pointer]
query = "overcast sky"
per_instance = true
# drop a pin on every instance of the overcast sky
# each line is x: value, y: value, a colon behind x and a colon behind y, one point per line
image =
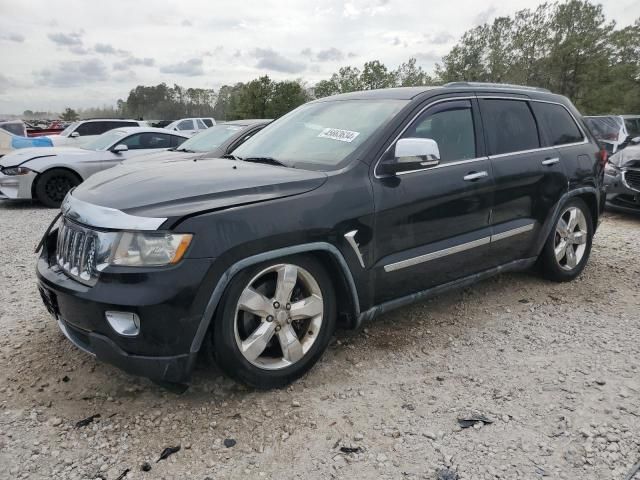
x: 90, y: 53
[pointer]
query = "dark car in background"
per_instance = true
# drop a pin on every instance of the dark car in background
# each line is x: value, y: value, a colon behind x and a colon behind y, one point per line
x: 622, y: 178
x: 341, y: 210
x: 214, y: 142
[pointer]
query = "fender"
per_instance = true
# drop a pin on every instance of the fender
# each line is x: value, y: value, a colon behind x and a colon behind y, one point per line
x: 228, y: 275
x: 551, y: 219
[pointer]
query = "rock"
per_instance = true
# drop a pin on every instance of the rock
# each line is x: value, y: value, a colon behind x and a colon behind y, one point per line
x: 358, y: 437
x: 55, y: 421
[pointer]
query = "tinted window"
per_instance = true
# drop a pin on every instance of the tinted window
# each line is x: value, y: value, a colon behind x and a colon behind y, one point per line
x: 147, y: 140
x: 451, y: 126
x: 200, y: 124
x: 88, y: 128
x: 633, y: 126
x: 124, y: 124
x: 185, y: 125
x: 176, y: 141
x: 558, y: 124
x: 509, y: 125
x: 207, y: 122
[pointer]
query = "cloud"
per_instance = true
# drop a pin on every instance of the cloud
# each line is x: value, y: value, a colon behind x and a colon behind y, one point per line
x: 269, y: 59
x: 189, y: 68
x: 13, y: 37
x: 357, y: 8
x: 78, y: 50
x: 131, y: 61
x: 187, y: 23
x: 440, y: 38
x: 484, y: 16
x: 352, y: 54
x: 330, y: 55
x: 306, y: 52
x: 5, y: 83
x: 74, y: 73
x: 66, y: 39
x: 429, y: 56
x: 108, y: 49
x: 396, y: 41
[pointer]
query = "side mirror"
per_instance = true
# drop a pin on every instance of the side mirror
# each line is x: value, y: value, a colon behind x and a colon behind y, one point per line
x: 121, y: 147
x: 74, y: 135
x: 412, y: 154
x: 635, y: 141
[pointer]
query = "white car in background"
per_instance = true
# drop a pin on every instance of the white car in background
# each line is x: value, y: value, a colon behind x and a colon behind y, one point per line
x: 82, y: 131
x: 191, y: 126
x: 48, y: 173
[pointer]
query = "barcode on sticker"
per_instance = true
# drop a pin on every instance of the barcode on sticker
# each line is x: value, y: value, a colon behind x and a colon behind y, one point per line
x: 338, y: 134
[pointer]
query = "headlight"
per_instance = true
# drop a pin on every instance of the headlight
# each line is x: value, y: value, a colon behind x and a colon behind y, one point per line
x: 15, y: 170
x: 611, y: 169
x: 147, y: 249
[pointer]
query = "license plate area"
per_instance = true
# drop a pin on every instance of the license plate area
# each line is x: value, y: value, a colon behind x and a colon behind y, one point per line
x: 50, y: 301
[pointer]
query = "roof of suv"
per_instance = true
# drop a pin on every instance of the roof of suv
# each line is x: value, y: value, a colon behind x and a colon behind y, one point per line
x: 409, y: 93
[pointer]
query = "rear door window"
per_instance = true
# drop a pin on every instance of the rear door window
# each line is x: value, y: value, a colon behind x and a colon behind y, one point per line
x: 207, y: 122
x: 185, y: 125
x: 559, y: 126
x: 147, y: 140
x: 201, y: 125
x: 509, y: 125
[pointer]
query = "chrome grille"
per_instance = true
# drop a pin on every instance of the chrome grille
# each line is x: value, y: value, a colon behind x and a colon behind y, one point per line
x: 632, y: 179
x: 75, y: 251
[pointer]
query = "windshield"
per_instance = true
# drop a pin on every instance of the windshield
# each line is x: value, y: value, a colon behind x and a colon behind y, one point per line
x: 67, y: 131
x: 320, y: 135
x: 104, y: 141
x: 604, y: 128
x: 211, y: 138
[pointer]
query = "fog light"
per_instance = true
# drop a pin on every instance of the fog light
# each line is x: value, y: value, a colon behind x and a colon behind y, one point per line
x: 125, y: 323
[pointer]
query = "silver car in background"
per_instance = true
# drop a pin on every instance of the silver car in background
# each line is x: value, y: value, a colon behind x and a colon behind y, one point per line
x: 48, y: 173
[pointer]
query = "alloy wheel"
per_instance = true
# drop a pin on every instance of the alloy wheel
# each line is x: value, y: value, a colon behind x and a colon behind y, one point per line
x: 278, y: 316
x: 58, y: 186
x: 570, y: 242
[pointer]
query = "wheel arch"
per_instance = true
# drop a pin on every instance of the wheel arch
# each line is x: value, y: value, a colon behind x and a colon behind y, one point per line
x: 42, y: 172
x: 587, y: 194
x: 328, y: 254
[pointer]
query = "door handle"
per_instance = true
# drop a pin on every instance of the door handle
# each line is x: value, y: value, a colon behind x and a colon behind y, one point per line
x: 470, y: 177
x: 550, y: 161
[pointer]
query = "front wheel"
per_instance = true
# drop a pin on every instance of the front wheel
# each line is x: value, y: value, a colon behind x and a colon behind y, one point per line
x: 275, y: 321
x: 53, y: 185
x: 567, y: 249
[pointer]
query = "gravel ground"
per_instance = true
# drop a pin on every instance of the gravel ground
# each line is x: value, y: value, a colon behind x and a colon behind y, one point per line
x: 555, y: 367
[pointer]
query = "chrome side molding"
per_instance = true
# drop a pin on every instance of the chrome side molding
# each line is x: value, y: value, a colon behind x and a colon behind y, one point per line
x: 392, y: 267
x: 350, y: 237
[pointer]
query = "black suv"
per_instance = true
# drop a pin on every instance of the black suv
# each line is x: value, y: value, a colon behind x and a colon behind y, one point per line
x: 339, y: 211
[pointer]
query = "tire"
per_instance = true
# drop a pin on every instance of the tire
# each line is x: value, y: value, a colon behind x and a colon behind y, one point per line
x: 575, y: 234
x: 264, y: 334
x: 52, y: 186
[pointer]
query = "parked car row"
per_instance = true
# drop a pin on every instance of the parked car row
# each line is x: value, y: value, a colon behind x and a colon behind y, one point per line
x: 343, y: 209
x: 47, y: 174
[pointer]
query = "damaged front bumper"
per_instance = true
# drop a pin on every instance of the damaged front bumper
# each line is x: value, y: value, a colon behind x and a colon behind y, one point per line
x: 623, y: 190
x: 15, y: 187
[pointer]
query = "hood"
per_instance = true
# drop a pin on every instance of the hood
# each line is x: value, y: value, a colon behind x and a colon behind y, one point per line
x: 164, y: 156
x: 174, y: 190
x: 18, y: 157
x: 627, y: 157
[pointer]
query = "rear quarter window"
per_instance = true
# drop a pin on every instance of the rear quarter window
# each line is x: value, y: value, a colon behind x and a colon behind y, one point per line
x: 509, y: 126
x: 559, y: 126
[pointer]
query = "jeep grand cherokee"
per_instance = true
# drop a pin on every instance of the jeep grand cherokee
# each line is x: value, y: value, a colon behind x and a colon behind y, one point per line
x: 341, y: 210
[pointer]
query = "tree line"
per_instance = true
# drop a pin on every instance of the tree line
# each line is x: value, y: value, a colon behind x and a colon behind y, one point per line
x: 568, y: 47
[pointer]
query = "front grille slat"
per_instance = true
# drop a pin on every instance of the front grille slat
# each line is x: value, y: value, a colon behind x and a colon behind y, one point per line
x: 75, y: 251
x: 632, y: 178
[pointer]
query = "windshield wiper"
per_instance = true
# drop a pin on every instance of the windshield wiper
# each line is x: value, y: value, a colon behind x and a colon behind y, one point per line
x: 186, y: 150
x: 230, y: 157
x: 266, y: 160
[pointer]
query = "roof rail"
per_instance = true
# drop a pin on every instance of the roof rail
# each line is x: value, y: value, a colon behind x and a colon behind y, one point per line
x: 496, y: 85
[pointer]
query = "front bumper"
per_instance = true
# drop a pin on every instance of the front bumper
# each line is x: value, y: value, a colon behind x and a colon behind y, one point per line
x: 14, y: 187
x: 620, y: 196
x: 170, y: 303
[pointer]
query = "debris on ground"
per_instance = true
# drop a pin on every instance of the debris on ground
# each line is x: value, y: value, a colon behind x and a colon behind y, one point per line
x: 229, y: 442
x: 470, y: 421
x: 86, y: 421
x: 145, y: 467
x: 447, y: 474
x: 123, y: 474
x: 167, y: 452
x: 351, y: 449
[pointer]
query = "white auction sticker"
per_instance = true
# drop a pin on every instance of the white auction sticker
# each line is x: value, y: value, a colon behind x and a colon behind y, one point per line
x: 338, y: 134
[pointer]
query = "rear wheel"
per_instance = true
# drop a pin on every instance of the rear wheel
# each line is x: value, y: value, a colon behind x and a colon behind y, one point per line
x: 567, y: 249
x: 274, y: 322
x: 53, y: 185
